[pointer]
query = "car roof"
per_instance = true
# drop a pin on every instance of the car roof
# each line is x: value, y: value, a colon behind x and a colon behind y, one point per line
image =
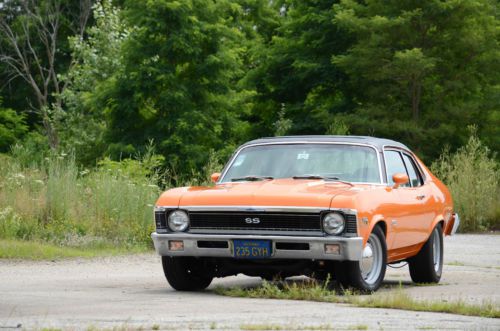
x: 378, y: 143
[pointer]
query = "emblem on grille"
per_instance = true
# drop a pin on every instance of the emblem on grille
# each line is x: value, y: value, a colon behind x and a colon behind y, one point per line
x: 250, y: 220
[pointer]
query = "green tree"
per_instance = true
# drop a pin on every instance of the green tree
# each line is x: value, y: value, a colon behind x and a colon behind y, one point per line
x: 420, y: 71
x: 95, y: 59
x: 33, y: 45
x: 178, y: 83
x: 294, y: 70
x: 12, y: 127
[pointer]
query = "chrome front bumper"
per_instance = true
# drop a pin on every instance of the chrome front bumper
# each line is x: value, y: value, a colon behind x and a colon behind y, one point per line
x: 350, y: 248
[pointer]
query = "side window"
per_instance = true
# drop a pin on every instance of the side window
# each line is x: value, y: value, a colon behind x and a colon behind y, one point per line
x: 394, y: 164
x: 415, y: 178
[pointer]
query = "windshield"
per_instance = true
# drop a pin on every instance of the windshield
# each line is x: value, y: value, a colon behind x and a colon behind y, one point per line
x: 343, y: 162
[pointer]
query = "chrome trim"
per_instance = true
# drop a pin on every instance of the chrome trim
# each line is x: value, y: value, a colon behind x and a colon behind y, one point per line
x: 410, y: 154
x: 163, y: 208
x: 350, y: 248
x: 277, y: 232
x: 235, y: 155
x: 456, y: 224
x: 290, y: 209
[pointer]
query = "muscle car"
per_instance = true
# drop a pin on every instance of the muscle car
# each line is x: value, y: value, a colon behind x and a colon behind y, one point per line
x: 342, y: 207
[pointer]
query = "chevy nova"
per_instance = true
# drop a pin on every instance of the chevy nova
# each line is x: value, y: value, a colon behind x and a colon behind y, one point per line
x: 324, y: 206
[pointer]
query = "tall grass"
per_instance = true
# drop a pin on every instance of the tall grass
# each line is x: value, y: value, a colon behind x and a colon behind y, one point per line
x: 473, y: 177
x: 56, y: 202
x: 50, y: 199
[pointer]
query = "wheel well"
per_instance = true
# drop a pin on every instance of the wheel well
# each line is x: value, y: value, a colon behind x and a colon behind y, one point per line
x: 383, y: 226
x: 442, y: 224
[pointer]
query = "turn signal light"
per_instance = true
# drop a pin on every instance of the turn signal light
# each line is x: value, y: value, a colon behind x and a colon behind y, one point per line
x: 176, y: 245
x: 332, y: 249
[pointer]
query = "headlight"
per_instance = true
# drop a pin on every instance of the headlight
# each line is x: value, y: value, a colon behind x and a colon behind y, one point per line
x: 333, y: 223
x: 178, y: 221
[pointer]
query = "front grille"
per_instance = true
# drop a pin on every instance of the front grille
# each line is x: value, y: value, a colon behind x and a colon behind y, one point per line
x: 160, y: 219
x: 271, y: 221
x: 350, y: 223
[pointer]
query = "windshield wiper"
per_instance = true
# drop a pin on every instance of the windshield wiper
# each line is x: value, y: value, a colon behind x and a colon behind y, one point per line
x: 251, y: 178
x: 328, y: 178
x: 313, y: 177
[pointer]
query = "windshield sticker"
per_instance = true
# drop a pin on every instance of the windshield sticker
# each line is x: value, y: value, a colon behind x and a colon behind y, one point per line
x: 303, y: 156
x: 239, y: 160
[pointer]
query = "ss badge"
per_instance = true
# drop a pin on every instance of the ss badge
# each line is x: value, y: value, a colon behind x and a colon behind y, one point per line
x: 254, y: 220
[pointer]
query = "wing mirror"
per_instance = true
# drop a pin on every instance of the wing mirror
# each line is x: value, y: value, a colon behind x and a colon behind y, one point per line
x: 399, y: 179
x: 215, y: 177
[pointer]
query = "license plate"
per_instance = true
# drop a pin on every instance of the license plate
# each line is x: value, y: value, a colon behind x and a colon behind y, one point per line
x: 252, y: 249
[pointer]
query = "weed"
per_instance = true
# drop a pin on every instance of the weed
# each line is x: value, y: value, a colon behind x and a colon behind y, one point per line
x: 17, y: 249
x: 266, y: 327
x: 358, y: 327
x: 397, y: 299
x: 456, y: 263
x: 58, y: 203
x: 472, y: 176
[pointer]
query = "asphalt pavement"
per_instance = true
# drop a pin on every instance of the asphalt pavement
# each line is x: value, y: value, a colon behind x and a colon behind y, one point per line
x: 130, y: 292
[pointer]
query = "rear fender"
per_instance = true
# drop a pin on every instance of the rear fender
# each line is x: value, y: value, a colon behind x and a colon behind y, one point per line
x: 437, y: 220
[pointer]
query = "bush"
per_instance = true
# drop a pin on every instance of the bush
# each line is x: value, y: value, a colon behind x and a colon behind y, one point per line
x: 473, y: 177
x: 12, y: 127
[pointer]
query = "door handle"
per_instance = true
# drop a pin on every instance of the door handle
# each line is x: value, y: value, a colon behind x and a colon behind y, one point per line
x: 420, y: 197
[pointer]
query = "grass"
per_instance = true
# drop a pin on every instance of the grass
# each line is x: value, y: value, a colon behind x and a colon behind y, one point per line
x: 456, y: 263
x: 57, y: 202
x: 16, y: 249
x: 266, y: 327
x: 397, y: 299
x: 359, y: 327
x: 401, y: 300
x: 60, y: 204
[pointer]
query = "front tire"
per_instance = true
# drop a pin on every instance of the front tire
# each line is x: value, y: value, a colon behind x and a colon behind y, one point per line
x: 427, y: 265
x: 186, y: 273
x: 367, y: 274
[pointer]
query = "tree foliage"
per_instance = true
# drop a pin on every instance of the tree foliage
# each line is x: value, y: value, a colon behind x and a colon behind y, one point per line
x: 12, y: 127
x: 178, y: 82
x: 421, y: 71
x: 295, y: 73
x: 197, y: 76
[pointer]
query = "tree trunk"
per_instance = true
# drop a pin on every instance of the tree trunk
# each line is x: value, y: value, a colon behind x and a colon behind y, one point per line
x: 416, y: 91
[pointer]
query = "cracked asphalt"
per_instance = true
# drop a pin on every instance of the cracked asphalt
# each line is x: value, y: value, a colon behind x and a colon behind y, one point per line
x: 130, y: 292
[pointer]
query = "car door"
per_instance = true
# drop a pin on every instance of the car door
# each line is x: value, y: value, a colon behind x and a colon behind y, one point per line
x: 423, y: 193
x: 405, y: 213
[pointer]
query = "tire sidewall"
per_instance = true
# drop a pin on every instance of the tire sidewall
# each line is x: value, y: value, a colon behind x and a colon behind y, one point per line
x: 357, y: 277
x: 439, y: 233
x: 181, y: 276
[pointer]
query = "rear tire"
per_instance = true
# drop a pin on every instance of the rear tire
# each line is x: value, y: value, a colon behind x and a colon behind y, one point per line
x: 367, y: 274
x: 427, y: 265
x: 186, y: 273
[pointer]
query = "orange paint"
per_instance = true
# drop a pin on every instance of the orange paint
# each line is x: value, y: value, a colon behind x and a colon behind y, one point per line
x: 408, y: 214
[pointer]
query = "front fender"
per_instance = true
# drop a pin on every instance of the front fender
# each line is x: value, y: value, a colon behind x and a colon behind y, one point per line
x: 377, y: 219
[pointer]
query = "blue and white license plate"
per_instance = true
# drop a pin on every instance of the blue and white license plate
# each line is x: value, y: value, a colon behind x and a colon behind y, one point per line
x: 252, y: 249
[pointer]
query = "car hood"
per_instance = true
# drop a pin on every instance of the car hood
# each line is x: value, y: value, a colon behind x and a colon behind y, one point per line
x: 278, y: 192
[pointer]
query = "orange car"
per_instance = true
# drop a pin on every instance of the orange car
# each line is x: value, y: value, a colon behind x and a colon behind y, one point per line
x: 343, y: 206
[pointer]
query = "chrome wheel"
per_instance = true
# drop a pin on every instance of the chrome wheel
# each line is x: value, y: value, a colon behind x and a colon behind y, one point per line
x: 436, y: 249
x: 372, y: 260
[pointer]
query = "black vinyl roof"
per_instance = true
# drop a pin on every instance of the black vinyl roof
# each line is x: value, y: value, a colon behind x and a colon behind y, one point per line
x: 378, y: 143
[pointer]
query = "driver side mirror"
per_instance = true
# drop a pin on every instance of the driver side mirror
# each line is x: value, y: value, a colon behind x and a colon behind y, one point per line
x: 399, y: 179
x: 215, y: 177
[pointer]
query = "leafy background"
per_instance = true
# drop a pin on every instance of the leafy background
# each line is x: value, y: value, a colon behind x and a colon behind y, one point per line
x: 97, y: 93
